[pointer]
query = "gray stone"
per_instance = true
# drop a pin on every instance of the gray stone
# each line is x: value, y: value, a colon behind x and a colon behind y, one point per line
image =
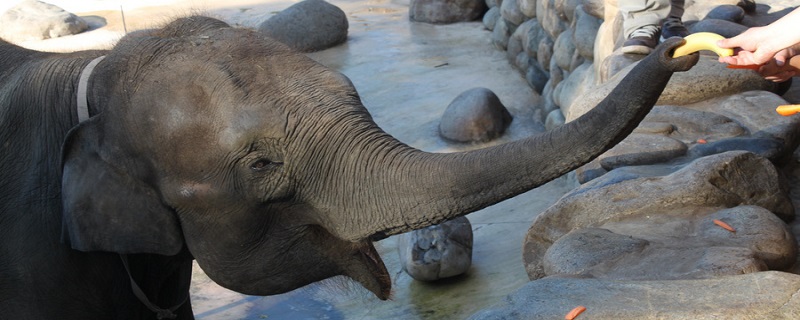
x: 770, y: 148
x: 307, y: 26
x: 500, y: 34
x: 549, y: 18
x: 527, y: 7
x: 509, y: 10
x: 566, y: 9
x: 726, y: 180
x: 581, y: 78
x: 446, y: 11
x: 722, y: 27
x: 760, y: 295
x: 554, y: 119
x: 700, y: 83
x: 691, y: 123
x: 535, y: 36
x: 545, y: 53
x: 437, y: 252
x: 476, y: 115
x: 536, y: 77
x: 727, y: 12
x: 596, y: 8
x: 640, y: 149
x: 586, y: 27
x: 36, y: 20
x: 645, y: 246
x: 563, y: 49
x: 491, y: 17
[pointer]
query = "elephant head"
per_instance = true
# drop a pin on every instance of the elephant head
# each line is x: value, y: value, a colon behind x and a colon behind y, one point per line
x: 266, y: 166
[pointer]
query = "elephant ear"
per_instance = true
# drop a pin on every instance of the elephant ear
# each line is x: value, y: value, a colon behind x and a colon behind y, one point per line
x: 105, y: 208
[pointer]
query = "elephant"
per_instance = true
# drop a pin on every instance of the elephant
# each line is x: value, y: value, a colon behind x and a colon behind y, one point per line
x: 200, y: 141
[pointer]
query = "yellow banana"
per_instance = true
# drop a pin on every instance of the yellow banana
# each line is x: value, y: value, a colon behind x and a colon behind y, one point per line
x: 702, y: 41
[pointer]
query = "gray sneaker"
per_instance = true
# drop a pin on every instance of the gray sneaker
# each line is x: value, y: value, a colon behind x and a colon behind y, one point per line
x: 642, y: 40
x: 673, y: 27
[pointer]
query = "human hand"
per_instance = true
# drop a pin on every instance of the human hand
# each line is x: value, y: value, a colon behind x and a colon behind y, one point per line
x: 752, y: 47
x: 774, y: 72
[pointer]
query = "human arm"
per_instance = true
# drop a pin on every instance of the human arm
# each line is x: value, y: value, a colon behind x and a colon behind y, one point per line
x: 779, y: 40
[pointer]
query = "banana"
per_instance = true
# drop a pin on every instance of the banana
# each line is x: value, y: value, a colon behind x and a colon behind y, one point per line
x: 702, y: 41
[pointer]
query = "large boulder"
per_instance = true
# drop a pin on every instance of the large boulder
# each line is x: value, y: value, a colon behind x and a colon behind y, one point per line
x: 436, y: 252
x: 32, y: 20
x: 446, y: 11
x: 308, y: 26
x: 476, y: 115
x: 655, y: 212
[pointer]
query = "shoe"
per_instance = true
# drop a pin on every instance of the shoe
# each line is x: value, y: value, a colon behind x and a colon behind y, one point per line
x: 642, y: 40
x: 673, y: 27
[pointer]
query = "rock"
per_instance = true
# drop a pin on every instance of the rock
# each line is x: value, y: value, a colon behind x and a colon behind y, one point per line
x: 446, y: 11
x: 732, y: 13
x: 596, y: 8
x: 580, y: 80
x: 535, y: 36
x: 476, y: 115
x: 586, y: 27
x: 35, y: 20
x: 545, y: 52
x: 509, y: 10
x: 491, y: 17
x: 500, y: 34
x: 536, y: 77
x: 437, y: 252
x: 766, y: 147
x: 700, y: 83
x: 549, y: 18
x: 563, y: 49
x: 308, y: 26
x: 527, y: 7
x: 761, y: 295
x: 554, y: 120
x: 640, y: 149
x: 676, y: 203
x: 645, y: 247
x: 722, y: 27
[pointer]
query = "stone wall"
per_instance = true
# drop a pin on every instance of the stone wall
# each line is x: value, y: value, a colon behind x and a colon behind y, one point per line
x: 565, y: 48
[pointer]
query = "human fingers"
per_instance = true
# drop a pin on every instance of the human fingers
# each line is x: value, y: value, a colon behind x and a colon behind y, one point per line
x: 781, y: 76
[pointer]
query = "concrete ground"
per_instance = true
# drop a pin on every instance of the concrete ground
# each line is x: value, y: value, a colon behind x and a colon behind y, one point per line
x: 407, y: 74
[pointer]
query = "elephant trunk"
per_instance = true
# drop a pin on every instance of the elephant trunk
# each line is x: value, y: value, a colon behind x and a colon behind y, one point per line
x: 396, y: 188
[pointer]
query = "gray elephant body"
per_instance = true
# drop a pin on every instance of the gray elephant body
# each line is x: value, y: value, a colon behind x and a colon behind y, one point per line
x: 217, y: 144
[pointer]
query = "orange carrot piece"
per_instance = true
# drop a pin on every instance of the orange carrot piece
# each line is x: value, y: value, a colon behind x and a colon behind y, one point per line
x: 744, y: 66
x: 702, y: 141
x: 724, y: 225
x: 788, y: 109
x: 575, y: 313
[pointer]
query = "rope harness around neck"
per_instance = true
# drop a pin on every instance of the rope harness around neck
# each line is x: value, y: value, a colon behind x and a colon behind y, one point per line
x: 160, y: 313
x: 83, y: 84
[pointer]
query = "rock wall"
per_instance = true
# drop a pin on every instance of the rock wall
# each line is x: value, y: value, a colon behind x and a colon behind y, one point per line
x: 694, y: 202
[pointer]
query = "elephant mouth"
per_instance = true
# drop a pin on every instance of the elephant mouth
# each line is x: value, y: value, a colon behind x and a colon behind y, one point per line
x: 375, y: 278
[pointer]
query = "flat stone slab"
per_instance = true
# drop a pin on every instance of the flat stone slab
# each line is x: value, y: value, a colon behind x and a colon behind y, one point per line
x: 761, y: 295
x: 675, y: 210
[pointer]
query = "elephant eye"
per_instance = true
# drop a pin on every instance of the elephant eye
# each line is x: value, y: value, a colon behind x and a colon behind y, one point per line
x: 260, y: 164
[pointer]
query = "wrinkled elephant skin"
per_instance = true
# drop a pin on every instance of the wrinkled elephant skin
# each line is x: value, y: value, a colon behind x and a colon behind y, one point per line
x: 215, y: 143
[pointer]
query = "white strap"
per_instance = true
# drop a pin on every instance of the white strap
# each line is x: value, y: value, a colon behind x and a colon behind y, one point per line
x: 83, y: 83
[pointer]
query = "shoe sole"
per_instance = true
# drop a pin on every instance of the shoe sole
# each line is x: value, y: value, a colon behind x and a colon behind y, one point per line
x: 637, y: 49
